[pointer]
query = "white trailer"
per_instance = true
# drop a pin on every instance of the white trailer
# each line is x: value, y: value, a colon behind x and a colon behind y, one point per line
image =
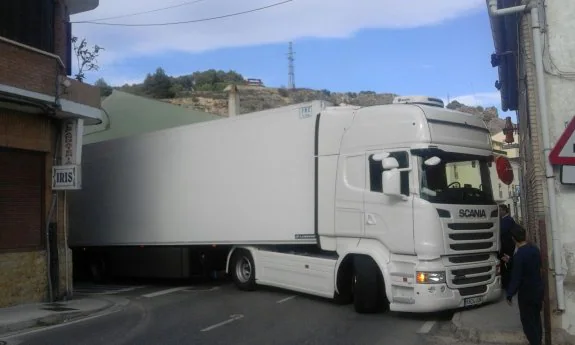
x: 357, y: 204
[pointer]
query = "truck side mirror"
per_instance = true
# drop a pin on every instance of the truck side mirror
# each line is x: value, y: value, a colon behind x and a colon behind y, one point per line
x: 389, y: 163
x: 433, y: 161
x: 392, y: 182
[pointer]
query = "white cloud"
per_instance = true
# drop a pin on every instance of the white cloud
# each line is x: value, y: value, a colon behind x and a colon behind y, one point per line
x: 291, y: 21
x: 484, y: 99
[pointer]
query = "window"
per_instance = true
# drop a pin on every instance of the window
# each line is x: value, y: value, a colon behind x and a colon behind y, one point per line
x: 471, y: 186
x: 376, y: 171
x: 29, y: 22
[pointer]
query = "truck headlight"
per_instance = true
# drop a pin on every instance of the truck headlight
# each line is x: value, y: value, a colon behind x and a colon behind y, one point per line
x: 430, y: 277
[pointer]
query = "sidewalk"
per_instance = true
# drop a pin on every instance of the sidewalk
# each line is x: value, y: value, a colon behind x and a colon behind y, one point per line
x: 496, y: 323
x: 27, y: 316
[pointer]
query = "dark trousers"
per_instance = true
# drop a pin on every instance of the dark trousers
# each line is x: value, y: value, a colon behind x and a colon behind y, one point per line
x: 505, y: 274
x: 530, y: 313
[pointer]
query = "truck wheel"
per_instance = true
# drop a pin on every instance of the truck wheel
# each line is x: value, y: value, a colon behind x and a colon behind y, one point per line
x: 345, y: 279
x: 343, y: 298
x: 244, y: 270
x: 368, y: 295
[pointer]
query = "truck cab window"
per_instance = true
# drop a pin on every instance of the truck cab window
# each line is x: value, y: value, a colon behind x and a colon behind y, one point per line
x: 458, y: 179
x: 375, y: 172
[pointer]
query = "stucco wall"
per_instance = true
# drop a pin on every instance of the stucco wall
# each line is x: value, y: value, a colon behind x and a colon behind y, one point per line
x: 560, y: 83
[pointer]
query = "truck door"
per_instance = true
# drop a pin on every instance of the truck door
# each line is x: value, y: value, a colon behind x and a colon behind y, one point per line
x: 349, y: 203
x: 389, y: 219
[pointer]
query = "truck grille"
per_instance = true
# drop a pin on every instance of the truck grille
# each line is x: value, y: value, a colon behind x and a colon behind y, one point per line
x: 474, y: 290
x: 470, y: 237
x: 471, y: 277
x: 464, y: 259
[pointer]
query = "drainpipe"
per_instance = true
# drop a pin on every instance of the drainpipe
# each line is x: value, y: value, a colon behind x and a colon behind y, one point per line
x: 544, y: 122
x: 495, y: 12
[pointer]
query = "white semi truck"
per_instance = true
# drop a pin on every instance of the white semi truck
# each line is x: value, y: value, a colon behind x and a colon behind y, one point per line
x: 358, y: 204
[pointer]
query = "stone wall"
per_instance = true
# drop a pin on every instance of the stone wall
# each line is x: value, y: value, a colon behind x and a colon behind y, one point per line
x: 22, y: 277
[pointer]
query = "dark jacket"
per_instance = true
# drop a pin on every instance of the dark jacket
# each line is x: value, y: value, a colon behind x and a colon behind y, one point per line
x: 507, y: 245
x: 526, y: 278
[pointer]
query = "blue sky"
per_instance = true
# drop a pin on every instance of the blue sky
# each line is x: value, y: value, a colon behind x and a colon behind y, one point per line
x: 418, y: 50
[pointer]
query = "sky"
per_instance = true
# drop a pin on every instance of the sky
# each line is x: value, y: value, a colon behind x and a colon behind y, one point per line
x: 436, y: 48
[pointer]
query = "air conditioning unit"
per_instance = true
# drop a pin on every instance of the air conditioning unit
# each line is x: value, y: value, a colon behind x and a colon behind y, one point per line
x: 423, y: 100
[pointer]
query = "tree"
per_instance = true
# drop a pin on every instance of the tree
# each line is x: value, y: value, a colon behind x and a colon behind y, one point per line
x: 86, y: 57
x: 454, y: 105
x: 215, y: 80
x: 158, y: 85
x: 105, y: 88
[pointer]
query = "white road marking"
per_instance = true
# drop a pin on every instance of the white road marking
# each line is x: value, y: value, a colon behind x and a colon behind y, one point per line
x: 426, y: 328
x: 91, y: 290
x: 25, y: 333
x: 285, y: 299
x: 165, y: 292
x: 232, y: 318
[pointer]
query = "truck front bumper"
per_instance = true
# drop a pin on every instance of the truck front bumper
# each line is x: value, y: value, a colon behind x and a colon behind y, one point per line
x: 429, y: 298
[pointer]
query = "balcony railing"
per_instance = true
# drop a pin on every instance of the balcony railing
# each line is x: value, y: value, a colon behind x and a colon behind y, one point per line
x: 28, y: 68
x: 30, y: 74
x: 78, y: 92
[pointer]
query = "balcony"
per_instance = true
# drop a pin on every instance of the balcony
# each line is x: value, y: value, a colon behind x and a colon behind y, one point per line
x: 32, y: 80
x: 78, y: 6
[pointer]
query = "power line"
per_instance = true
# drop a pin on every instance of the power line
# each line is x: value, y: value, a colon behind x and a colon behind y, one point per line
x: 192, y: 21
x: 139, y: 13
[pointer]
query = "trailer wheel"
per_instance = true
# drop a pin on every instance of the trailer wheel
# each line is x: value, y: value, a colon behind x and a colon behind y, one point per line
x: 368, y: 287
x: 244, y: 270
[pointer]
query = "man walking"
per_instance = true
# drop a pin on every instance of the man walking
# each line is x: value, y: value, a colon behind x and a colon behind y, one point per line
x: 507, y: 245
x: 526, y: 281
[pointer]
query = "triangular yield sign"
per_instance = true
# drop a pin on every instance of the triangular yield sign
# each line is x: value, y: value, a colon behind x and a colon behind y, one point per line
x: 564, y: 151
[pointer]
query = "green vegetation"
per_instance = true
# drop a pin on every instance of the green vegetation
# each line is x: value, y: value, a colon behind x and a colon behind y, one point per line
x: 161, y: 86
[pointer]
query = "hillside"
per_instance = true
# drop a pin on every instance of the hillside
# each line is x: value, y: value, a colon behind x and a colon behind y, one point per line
x: 261, y: 98
x: 204, y: 91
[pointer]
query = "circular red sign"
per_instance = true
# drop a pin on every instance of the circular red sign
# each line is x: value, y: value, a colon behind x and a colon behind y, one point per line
x: 504, y: 170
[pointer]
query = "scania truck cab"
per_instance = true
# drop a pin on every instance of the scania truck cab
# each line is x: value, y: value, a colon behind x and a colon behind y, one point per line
x: 405, y: 214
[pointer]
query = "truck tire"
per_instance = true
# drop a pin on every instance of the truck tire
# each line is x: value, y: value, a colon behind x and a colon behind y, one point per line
x: 243, y: 270
x: 368, y: 292
x: 343, y: 298
x: 345, y: 279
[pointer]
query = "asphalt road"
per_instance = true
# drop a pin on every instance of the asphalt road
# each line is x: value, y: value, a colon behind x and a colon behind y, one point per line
x: 213, y: 315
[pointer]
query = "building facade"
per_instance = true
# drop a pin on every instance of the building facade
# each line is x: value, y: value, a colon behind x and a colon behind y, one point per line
x: 535, y: 57
x: 41, y: 112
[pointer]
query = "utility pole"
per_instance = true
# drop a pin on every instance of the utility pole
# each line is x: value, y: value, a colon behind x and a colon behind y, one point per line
x: 291, y: 73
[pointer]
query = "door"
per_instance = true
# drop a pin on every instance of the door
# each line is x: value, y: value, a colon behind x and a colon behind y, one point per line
x: 389, y: 219
x: 22, y: 177
x: 350, y: 187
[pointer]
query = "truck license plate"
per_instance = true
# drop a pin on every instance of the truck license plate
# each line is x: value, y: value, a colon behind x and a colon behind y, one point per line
x: 468, y: 302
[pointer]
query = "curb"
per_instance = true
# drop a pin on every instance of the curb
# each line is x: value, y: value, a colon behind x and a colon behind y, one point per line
x: 475, y: 335
x: 56, y: 319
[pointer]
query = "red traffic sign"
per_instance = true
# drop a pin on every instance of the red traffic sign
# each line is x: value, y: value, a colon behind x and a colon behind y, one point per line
x: 564, y: 151
x: 504, y: 170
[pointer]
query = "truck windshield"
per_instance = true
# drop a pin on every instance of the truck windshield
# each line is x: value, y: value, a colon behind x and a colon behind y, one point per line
x: 457, y: 179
